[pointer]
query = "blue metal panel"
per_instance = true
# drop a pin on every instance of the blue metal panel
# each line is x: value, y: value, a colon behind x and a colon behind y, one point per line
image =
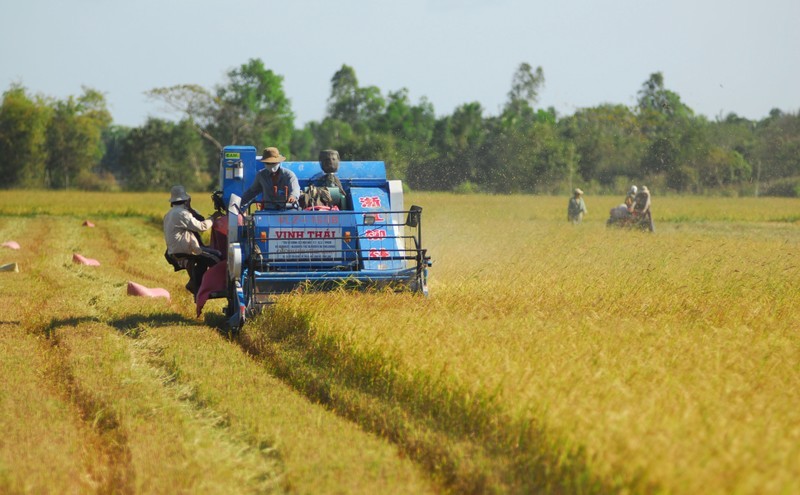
x: 378, y: 241
x: 237, y: 170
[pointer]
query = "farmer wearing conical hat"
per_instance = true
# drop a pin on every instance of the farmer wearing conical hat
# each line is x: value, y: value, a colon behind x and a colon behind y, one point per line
x: 576, y: 208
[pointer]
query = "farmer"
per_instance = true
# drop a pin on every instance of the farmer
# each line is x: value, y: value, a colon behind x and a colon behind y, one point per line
x: 327, y: 191
x: 631, y: 197
x: 329, y: 162
x: 277, y: 185
x: 185, y: 249
x: 576, y: 207
x: 641, y: 209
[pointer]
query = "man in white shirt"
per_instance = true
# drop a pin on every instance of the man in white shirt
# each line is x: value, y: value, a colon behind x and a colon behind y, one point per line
x: 185, y: 250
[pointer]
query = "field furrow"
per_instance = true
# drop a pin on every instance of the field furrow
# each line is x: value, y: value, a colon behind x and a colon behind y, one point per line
x: 139, y: 391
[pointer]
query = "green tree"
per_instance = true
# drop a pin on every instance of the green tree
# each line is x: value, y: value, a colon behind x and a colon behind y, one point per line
x: 778, y: 148
x: 343, y: 102
x: 114, y: 138
x: 161, y: 154
x: 462, y: 139
x: 250, y: 108
x: 457, y: 141
x: 194, y: 104
x: 608, y: 142
x: 734, y: 133
x: 654, y: 97
x: 23, y: 125
x: 332, y: 133
x: 677, y: 141
x: 533, y: 159
x: 723, y: 167
x: 694, y: 147
x: 253, y: 108
x: 522, y: 151
x: 661, y: 156
x: 350, y: 103
x: 404, y: 120
x: 408, y: 129
x: 523, y: 95
x: 302, y: 145
x: 74, y: 137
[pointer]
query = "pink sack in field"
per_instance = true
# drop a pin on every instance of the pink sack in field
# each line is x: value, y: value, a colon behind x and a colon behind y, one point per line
x: 87, y: 223
x: 10, y: 245
x: 77, y: 258
x: 135, y: 289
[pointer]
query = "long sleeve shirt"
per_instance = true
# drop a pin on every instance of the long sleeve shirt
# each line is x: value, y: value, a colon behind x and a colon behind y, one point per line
x: 576, y: 206
x: 180, y: 227
x: 273, y: 188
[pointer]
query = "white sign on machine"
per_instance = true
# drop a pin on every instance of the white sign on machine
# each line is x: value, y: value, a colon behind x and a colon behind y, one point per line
x: 308, y: 244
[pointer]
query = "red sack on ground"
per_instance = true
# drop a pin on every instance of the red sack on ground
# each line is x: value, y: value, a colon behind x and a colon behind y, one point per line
x: 214, y: 280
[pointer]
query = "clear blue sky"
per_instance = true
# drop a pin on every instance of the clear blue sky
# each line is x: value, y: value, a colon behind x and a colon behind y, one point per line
x: 720, y: 56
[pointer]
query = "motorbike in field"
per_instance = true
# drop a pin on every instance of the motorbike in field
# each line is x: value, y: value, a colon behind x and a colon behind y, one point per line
x: 634, y: 213
x: 631, y: 220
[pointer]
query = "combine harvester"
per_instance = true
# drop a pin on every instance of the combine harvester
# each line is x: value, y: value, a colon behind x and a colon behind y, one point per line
x: 367, y: 239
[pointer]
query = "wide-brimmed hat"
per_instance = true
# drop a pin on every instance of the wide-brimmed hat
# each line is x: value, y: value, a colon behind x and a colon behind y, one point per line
x: 577, y: 191
x: 272, y: 155
x: 178, y: 193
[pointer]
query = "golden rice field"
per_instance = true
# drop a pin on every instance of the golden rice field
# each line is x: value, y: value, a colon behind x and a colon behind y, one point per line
x: 548, y: 358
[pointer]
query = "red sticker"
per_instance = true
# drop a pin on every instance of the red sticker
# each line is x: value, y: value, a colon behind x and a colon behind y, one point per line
x: 375, y: 234
x: 370, y: 201
x: 378, y: 253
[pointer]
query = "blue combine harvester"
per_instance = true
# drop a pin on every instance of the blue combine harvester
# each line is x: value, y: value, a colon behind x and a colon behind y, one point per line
x: 367, y: 239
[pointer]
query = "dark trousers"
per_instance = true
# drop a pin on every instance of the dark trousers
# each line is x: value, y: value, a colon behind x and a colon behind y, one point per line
x: 196, y: 265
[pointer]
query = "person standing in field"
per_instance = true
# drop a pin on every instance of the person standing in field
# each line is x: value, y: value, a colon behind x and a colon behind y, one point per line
x: 641, y: 209
x: 277, y: 185
x: 576, y: 208
x: 185, y: 249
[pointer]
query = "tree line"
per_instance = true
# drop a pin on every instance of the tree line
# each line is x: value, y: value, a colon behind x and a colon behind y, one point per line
x: 660, y: 141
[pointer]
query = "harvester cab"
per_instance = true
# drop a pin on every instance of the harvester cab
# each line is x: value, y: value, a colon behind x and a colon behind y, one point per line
x: 365, y: 239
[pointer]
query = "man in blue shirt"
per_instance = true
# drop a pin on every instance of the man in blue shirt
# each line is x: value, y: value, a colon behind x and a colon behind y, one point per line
x: 277, y: 185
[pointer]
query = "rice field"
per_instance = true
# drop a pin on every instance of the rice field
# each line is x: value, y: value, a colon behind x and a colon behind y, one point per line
x: 548, y: 358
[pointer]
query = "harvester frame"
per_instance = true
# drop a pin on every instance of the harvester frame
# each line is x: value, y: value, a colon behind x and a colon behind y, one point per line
x: 367, y: 239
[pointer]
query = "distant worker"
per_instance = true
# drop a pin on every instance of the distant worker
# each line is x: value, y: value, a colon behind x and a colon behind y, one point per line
x: 185, y: 249
x: 277, y: 185
x: 629, y: 199
x: 326, y: 192
x: 219, y: 230
x: 577, y: 207
x: 641, y: 209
